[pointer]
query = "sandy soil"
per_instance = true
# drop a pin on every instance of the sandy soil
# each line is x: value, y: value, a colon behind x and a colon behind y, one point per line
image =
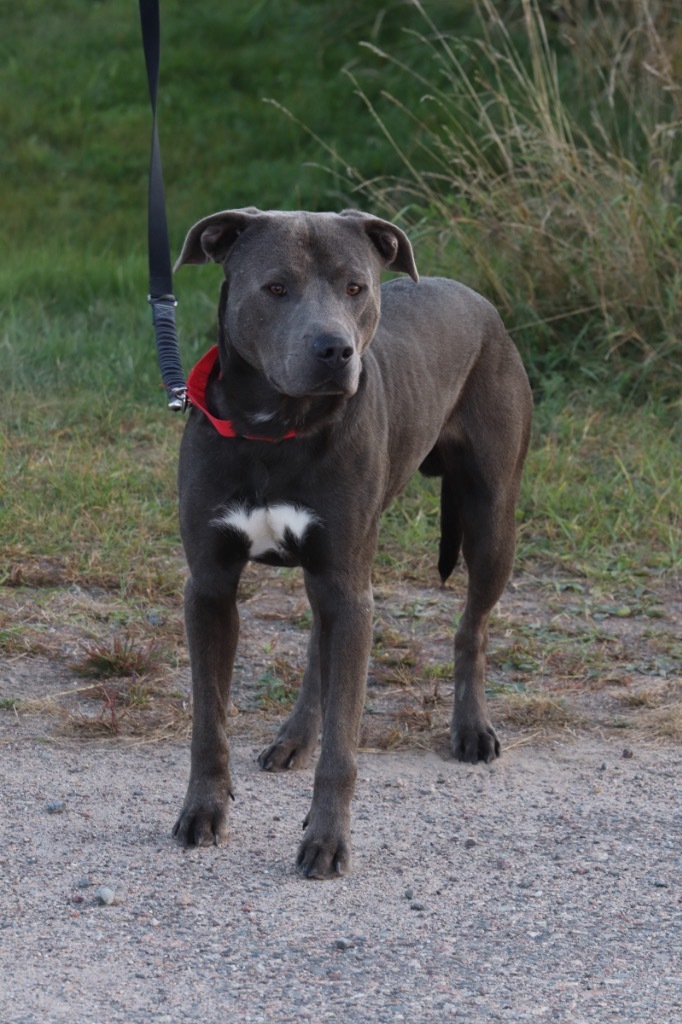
x: 544, y: 887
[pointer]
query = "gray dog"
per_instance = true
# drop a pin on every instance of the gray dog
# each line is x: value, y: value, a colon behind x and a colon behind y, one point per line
x: 301, y: 434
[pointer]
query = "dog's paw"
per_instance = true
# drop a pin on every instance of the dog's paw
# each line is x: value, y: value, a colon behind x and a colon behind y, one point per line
x: 293, y: 747
x: 324, y: 852
x: 201, y: 826
x: 203, y: 818
x: 285, y: 753
x: 474, y: 743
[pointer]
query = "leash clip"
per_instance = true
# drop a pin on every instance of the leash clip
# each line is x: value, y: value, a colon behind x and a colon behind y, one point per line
x: 178, y: 400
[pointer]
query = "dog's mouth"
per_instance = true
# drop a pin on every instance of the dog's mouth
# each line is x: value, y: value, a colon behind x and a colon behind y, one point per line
x: 329, y: 387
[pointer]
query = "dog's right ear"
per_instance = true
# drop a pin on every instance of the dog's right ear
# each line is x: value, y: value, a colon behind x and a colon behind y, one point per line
x: 210, y: 239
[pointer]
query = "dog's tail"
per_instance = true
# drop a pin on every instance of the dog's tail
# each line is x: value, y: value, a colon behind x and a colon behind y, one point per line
x: 450, y: 530
x: 450, y: 526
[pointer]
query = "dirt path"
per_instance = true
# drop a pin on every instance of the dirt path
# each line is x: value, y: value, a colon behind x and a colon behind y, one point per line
x: 545, y: 887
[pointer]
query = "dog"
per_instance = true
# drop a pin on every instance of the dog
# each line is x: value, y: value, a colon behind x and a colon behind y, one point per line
x: 326, y: 391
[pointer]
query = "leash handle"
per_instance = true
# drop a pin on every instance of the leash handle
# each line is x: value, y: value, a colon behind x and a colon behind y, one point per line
x: 160, y: 276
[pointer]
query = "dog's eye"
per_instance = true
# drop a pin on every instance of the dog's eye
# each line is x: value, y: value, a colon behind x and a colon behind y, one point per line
x: 353, y: 289
x: 277, y: 289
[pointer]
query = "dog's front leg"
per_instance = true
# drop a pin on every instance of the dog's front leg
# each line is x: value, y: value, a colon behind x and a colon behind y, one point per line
x: 345, y: 616
x: 212, y: 625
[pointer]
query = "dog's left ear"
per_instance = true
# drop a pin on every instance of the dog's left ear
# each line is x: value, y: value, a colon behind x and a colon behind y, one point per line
x: 390, y: 241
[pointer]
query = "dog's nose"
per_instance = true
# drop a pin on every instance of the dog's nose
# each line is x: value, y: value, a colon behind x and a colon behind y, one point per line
x: 333, y: 350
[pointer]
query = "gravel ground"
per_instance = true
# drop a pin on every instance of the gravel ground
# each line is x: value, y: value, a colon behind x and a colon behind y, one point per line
x: 545, y: 887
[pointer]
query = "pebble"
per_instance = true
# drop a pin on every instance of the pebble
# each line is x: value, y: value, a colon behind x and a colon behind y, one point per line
x: 627, y: 753
x: 344, y: 943
x: 83, y: 883
x: 415, y: 905
x: 56, y: 807
x: 469, y: 843
x: 105, y: 896
x: 409, y: 893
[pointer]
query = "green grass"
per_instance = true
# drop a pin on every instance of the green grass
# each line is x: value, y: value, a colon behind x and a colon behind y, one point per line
x: 522, y: 167
x: 76, y: 121
x: 601, y: 498
x: 90, y: 495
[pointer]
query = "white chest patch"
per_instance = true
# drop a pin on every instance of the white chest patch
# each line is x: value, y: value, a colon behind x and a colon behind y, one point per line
x: 265, y: 528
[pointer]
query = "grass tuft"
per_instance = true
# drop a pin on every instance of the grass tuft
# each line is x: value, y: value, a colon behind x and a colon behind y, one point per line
x: 123, y: 657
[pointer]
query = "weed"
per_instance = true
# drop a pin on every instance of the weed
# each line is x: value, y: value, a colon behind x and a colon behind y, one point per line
x: 120, y: 657
x: 278, y: 686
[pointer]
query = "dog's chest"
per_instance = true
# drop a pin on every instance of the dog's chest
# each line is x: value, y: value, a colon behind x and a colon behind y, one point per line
x: 273, y: 533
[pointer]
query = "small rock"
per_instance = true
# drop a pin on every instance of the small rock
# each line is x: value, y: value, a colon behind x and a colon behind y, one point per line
x: 501, y: 864
x: 409, y: 893
x: 56, y: 807
x: 415, y: 905
x: 627, y: 754
x: 660, y: 885
x: 105, y: 896
x: 344, y: 943
x: 83, y: 883
x: 469, y: 843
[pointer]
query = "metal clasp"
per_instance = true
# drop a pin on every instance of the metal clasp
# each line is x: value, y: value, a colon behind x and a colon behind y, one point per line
x: 178, y: 400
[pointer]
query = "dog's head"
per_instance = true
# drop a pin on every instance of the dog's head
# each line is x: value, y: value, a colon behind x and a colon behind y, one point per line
x: 303, y: 290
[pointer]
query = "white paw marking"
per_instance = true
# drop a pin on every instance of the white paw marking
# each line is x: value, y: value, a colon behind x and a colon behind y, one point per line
x: 265, y: 528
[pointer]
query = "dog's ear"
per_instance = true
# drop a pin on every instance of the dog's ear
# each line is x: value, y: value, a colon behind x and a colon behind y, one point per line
x: 392, y: 244
x: 211, y: 239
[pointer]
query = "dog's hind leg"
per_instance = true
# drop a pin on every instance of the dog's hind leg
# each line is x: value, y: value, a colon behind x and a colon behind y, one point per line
x: 212, y: 624
x: 296, y: 739
x: 488, y: 525
x: 472, y: 735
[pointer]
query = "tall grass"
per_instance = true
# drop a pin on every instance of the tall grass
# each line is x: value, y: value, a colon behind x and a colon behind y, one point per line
x: 549, y: 177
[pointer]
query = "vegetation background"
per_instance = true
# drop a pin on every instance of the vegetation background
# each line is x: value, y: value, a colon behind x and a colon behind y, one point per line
x: 532, y: 149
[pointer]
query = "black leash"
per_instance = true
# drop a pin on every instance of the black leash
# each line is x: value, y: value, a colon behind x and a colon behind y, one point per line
x: 160, y: 276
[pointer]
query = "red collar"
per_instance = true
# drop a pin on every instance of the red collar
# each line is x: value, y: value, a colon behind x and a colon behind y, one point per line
x: 196, y: 393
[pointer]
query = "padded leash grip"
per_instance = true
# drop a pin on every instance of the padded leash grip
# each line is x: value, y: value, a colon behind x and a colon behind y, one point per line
x: 163, y: 318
